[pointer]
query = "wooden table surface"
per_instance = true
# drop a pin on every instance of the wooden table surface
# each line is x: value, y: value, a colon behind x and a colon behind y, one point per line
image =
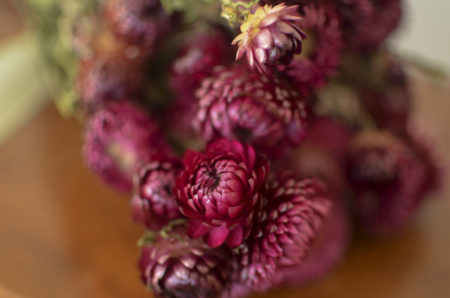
x: 10, y: 20
x: 65, y: 234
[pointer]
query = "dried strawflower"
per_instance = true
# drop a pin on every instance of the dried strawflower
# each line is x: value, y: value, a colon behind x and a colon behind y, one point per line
x: 220, y: 191
x: 388, y: 180
x: 174, y: 266
x: 137, y: 22
x: 153, y: 202
x: 322, y: 51
x: 241, y: 104
x: 270, y: 36
x: 293, y: 214
x: 327, y: 251
x: 119, y: 138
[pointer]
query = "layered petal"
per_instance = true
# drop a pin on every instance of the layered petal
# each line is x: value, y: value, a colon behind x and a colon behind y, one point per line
x: 267, y: 112
x: 119, y: 138
x: 219, y: 190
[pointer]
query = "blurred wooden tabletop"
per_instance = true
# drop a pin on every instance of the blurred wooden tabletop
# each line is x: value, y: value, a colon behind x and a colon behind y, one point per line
x: 65, y: 234
x: 10, y: 20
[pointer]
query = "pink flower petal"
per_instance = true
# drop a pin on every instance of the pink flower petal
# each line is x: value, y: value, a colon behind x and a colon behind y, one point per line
x: 217, y: 235
x: 235, y: 237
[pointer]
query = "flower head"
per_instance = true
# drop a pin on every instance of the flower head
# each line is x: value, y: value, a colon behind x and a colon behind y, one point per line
x: 367, y: 23
x: 108, y: 78
x: 119, y: 138
x: 389, y: 100
x: 173, y: 265
x: 293, y: 213
x: 322, y: 52
x: 137, y: 22
x: 220, y: 191
x: 241, y: 104
x: 153, y: 202
x: 328, y: 248
x: 388, y: 180
x: 270, y: 36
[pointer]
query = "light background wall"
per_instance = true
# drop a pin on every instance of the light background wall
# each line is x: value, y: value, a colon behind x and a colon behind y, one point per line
x: 425, y: 31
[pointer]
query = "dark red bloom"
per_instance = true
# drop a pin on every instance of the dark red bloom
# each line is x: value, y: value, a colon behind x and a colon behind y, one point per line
x: 388, y: 180
x: 270, y: 36
x: 220, y: 191
x: 322, y: 50
x: 153, y: 201
x: 108, y: 78
x: 119, y: 138
x: 388, y: 99
x: 367, y: 23
x: 174, y: 266
x: 293, y: 214
x: 241, y: 104
x: 137, y: 22
x: 327, y: 251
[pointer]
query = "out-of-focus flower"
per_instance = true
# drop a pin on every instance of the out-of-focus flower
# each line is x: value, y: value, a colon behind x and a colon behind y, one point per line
x: 328, y: 249
x: 270, y: 36
x: 293, y: 213
x: 322, y: 50
x: 119, y: 138
x: 153, y: 202
x: 195, y: 61
x: 108, y: 78
x: 174, y: 266
x: 241, y: 104
x: 138, y: 22
x: 220, y: 191
x: 388, y: 180
x: 367, y: 23
x: 389, y: 100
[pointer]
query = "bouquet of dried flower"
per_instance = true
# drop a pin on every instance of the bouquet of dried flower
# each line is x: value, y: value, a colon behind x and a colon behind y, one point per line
x: 221, y: 118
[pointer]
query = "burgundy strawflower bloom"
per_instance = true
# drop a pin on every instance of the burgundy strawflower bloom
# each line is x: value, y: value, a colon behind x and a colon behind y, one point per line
x: 153, y: 201
x: 241, y: 104
x: 389, y: 100
x: 220, y: 191
x: 120, y: 137
x: 388, y: 180
x: 174, y: 266
x: 108, y: 78
x: 327, y: 251
x: 293, y: 213
x: 322, y: 50
x: 353, y: 12
x: 270, y: 36
x: 367, y: 23
x: 137, y: 22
